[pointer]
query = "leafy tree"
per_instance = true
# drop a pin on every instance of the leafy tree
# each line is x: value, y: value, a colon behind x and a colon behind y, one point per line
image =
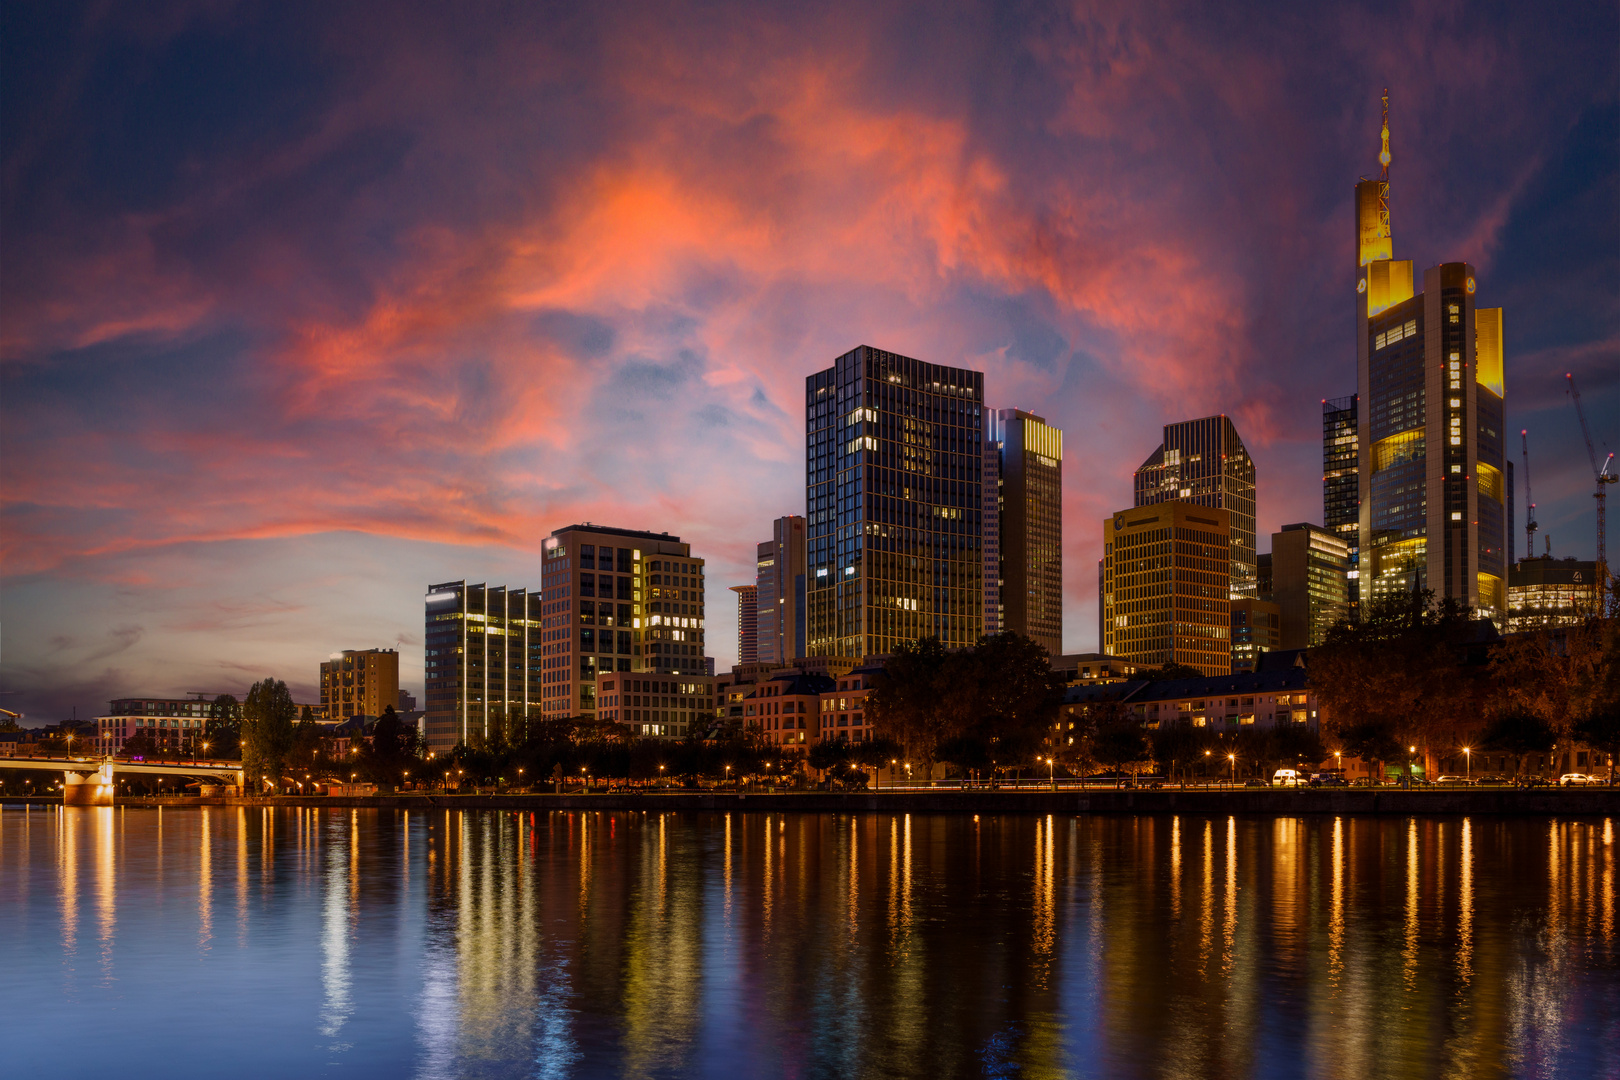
x: 1518, y: 733
x: 1169, y: 672
x: 306, y: 744
x: 1372, y: 741
x: 267, y: 730
x: 907, y: 703
x: 1120, y: 742
x: 223, y: 729
x: 1600, y: 730
x: 1177, y: 746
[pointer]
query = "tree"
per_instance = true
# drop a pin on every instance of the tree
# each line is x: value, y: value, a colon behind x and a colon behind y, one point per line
x: 1600, y: 730
x: 1372, y: 741
x: 306, y: 744
x: 1119, y: 742
x: 907, y: 703
x: 1518, y: 733
x: 267, y: 730
x: 1176, y: 745
x: 223, y: 729
x: 1170, y: 671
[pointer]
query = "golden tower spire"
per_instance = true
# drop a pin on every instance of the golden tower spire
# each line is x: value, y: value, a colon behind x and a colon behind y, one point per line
x: 1383, y: 154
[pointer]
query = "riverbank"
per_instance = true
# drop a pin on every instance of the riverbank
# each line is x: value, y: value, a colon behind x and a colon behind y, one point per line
x: 1273, y: 801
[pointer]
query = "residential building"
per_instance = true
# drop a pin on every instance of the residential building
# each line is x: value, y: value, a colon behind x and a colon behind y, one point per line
x: 172, y: 724
x: 796, y: 707
x: 481, y: 663
x: 1431, y: 469
x: 1256, y: 630
x: 782, y: 582
x: 1086, y: 669
x: 1274, y: 696
x: 1167, y: 586
x: 1545, y: 592
x: 1341, y: 501
x: 894, y: 532
x: 656, y: 706
x: 360, y: 682
x: 1310, y: 583
x: 747, y: 623
x: 1028, y: 525
x: 1204, y: 462
x: 405, y: 702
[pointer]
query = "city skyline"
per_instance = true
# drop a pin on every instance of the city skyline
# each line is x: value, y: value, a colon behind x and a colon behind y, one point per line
x: 187, y: 505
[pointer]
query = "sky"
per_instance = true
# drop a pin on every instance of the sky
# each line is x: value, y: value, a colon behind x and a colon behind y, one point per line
x: 305, y: 307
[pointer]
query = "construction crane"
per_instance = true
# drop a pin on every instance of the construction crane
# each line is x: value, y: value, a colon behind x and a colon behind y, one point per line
x: 1602, y: 478
x: 1530, y: 516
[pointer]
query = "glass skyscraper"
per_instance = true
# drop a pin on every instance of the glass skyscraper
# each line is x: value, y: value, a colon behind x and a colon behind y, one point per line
x: 482, y: 660
x: 1432, y: 474
x: 781, y: 582
x: 1027, y: 471
x: 1341, y: 503
x: 1204, y: 462
x: 893, y: 489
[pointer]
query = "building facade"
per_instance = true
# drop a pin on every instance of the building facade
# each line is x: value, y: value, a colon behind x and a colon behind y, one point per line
x: 481, y: 663
x: 1256, y: 630
x: 360, y: 682
x: 1431, y: 475
x: 1167, y: 586
x: 656, y: 706
x: 1341, y: 500
x: 171, y: 724
x: 782, y: 583
x: 1545, y: 592
x: 1205, y: 462
x: 747, y: 623
x: 617, y: 600
x: 1028, y: 526
x: 1310, y: 582
x: 894, y: 453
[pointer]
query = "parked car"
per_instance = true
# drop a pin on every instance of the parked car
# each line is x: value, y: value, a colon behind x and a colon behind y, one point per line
x: 1286, y: 778
x: 1450, y: 781
x: 1328, y: 780
x: 1364, y: 781
x: 1490, y: 779
x: 1255, y: 781
x: 1575, y: 779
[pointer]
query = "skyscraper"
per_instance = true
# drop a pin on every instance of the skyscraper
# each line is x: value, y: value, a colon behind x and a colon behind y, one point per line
x: 780, y: 578
x: 1205, y: 462
x: 1309, y: 583
x: 616, y: 600
x: 893, y: 490
x: 1028, y: 525
x: 359, y: 682
x: 1431, y: 464
x: 1341, y: 504
x: 747, y: 623
x: 1166, y: 593
x: 481, y: 661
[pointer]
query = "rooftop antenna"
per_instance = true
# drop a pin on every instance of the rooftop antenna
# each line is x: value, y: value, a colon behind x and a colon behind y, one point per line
x: 1383, y: 154
x: 1383, y: 176
x: 1530, y: 518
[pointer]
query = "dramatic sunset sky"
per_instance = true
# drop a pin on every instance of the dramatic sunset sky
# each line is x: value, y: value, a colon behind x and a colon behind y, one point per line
x: 306, y: 307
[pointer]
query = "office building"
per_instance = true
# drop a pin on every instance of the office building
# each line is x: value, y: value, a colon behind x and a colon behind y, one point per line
x: 1205, y: 462
x: 657, y: 706
x: 1310, y: 581
x: 617, y: 600
x: 360, y: 682
x: 1431, y: 473
x: 1256, y: 630
x: 747, y: 623
x: 1545, y: 592
x: 990, y: 539
x: 1341, y: 501
x: 1027, y: 481
x: 168, y: 724
x: 893, y: 492
x: 781, y: 580
x: 1167, y: 572
x: 481, y: 663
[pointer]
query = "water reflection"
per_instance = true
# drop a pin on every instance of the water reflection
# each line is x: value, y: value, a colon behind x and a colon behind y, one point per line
x: 452, y: 944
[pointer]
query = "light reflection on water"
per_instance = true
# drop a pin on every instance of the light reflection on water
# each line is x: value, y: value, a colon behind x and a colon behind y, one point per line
x: 559, y: 944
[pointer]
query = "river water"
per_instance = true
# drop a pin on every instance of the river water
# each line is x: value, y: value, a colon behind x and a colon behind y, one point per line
x: 356, y: 943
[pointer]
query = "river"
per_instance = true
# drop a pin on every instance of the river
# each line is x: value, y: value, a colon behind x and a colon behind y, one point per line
x: 255, y: 942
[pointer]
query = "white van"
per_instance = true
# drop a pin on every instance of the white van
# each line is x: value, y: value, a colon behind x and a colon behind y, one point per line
x: 1287, y: 778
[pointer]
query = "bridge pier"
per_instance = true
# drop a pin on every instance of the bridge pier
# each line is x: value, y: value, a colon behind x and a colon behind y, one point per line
x: 87, y: 789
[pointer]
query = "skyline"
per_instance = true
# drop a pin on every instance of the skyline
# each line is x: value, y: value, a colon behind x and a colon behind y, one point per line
x: 370, y: 319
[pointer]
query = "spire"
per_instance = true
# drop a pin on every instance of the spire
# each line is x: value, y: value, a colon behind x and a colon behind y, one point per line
x: 1383, y: 154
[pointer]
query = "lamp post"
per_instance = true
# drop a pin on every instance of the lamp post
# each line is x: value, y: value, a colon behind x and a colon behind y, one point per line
x: 728, y: 775
x: 1233, y: 759
x: 660, y: 776
x: 1411, y: 755
x: 1206, y: 764
x: 1468, y: 765
x: 1051, y: 765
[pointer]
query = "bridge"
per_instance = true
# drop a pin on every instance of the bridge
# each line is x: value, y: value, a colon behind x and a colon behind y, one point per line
x: 89, y: 781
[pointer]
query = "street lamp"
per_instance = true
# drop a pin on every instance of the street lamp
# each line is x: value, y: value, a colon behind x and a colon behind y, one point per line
x: 1233, y: 759
x: 728, y: 775
x: 1411, y: 752
x: 1051, y: 764
x: 1468, y: 764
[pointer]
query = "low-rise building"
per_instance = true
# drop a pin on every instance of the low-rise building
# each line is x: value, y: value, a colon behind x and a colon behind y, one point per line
x: 1277, y: 695
x: 656, y: 705
x: 169, y: 723
x: 1085, y: 669
x: 1545, y: 592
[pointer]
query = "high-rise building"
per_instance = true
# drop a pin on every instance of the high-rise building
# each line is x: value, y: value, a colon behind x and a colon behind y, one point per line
x: 1545, y: 592
x: 782, y: 583
x: 1167, y: 572
x: 1431, y: 470
x: 1310, y: 580
x: 1256, y: 629
x: 617, y: 600
x: 1341, y: 502
x: 747, y: 623
x: 1205, y: 462
x: 359, y: 682
x: 893, y: 490
x: 481, y: 663
x: 1028, y: 526
x: 990, y: 541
